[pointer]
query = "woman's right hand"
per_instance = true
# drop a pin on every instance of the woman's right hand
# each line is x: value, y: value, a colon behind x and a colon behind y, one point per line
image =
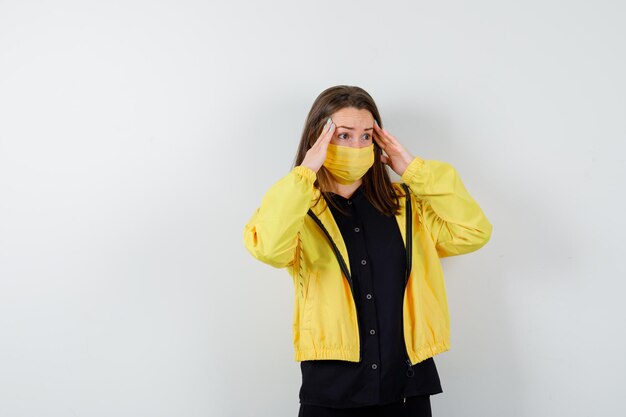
x: 316, y: 155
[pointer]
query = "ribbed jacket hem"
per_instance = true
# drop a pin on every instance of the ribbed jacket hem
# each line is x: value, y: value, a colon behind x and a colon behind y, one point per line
x: 351, y: 355
x: 428, y: 352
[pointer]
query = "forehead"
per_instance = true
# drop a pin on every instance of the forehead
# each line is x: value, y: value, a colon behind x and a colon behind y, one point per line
x: 351, y: 117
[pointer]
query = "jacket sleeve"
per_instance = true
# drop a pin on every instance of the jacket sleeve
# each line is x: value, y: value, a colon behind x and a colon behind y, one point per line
x: 454, y: 220
x: 271, y: 234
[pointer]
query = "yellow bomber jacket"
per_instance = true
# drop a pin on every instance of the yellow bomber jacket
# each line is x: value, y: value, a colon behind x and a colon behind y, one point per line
x: 446, y: 221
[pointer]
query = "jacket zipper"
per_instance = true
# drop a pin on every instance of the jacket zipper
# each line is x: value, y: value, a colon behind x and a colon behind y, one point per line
x: 409, y: 249
x: 409, y: 371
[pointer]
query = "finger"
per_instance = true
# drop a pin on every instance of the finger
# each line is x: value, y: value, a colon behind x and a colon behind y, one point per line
x: 378, y: 136
x: 329, y: 134
x: 384, y: 159
x: 379, y: 129
x: 386, y: 139
x: 389, y: 136
x: 324, y: 133
x: 383, y: 132
x: 382, y: 141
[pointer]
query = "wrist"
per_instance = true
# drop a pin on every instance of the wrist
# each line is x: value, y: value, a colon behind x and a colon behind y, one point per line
x: 406, y: 161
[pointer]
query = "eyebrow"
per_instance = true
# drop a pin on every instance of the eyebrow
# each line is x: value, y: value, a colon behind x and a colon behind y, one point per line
x: 351, y: 128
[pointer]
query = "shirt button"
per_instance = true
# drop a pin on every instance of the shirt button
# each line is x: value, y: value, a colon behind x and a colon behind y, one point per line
x: 374, y: 366
x: 368, y: 296
x: 356, y: 229
x: 363, y: 261
x: 349, y: 202
x: 372, y: 331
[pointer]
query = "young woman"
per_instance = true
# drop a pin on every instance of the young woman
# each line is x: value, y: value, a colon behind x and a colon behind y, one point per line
x: 370, y: 308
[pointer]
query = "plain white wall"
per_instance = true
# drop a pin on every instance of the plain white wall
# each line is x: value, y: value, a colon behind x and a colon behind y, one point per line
x: 138, y: 137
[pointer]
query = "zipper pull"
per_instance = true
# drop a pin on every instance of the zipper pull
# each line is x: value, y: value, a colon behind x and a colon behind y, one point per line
x: 409, y: 372
x: 404, y: 399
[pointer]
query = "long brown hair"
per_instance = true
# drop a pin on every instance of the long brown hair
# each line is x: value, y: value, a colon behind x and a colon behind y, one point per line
x: 376, y: 182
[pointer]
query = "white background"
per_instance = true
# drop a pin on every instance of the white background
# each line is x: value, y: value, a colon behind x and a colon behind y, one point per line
x: 138, y: 137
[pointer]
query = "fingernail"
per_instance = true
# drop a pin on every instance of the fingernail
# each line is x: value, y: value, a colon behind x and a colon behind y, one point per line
x: 376, y: 122
x: 328, y: 120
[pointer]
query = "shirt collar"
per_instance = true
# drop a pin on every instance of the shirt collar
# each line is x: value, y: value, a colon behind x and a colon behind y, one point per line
x: 356, y: 195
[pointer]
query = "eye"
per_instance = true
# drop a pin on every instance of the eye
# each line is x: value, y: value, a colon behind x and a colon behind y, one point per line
x: 366, y: 136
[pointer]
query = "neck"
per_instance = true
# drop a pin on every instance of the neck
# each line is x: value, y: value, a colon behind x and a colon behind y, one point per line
x: 346, y: 190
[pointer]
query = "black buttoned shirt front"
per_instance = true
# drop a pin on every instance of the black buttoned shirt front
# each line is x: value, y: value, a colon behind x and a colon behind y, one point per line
x: 377, y: 258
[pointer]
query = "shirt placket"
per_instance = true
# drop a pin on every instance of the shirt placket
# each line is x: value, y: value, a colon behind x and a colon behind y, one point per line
x: 367, y: 302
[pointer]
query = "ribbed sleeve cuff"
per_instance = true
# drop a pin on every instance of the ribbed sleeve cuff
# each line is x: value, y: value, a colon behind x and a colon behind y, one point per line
x: 306, y: 172
x: 414, y: 168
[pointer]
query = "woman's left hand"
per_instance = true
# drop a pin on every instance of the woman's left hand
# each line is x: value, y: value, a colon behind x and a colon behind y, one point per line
x: 398, y: 157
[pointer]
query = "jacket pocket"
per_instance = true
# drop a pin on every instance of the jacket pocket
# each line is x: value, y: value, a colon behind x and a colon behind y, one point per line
x: 309, y: 300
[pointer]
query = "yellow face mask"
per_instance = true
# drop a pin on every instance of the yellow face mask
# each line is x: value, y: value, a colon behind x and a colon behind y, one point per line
x: 348, y: 164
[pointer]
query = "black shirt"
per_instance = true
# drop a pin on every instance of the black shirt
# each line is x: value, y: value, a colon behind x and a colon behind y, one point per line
x: 381, y: 376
